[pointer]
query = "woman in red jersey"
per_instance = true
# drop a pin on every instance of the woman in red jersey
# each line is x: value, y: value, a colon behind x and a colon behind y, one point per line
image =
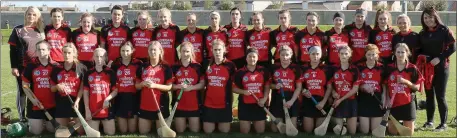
x: 153, y: 77
x: 114, y: 34
x: 236, y: 44
x: 99, y: 90
x: 289, y: 75
x: 336, y: 38
x: 126, y: 104
x: 315, y: 77
x: 35, y: 81
x: 194, y: 35
x: 344, y: 85
x: 284, y: 35
x: 402, y: 79
x: 370, y: 91
x: 167, y: 34
x: 382, y: 35
x: 217, y: 105
x: 309, y: 36
x: 250, y: 81
x: 189, y: 105
x: 141, y: 36
x: 213, y: 32
x: 359, y: 32
x: 57, y: 34
x: 86, y: 39
x: 67, y: 80
x: 258, y: 38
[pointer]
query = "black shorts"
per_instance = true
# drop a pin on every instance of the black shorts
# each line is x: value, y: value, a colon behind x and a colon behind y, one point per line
x: 151, y: 115
x: 346, y: 109
x: 250, y: 112
x: 38, y: 114
x: 65, y: 109
x: 405, y: 112
x: 110, y: 115
x: 276, y: 105
x: 308, y: 108
x: 239, y: 62
x: 164, y: 108
x: 368, y: 105
x: 265, y: 64
x: 88, y: 64
x: 126, y: 105
x: 217, y: 115
x: 186, y: 114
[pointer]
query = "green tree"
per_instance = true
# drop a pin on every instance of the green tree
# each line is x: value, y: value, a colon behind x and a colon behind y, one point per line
x: 411, y: 6
x: 209, y: 5
x: 439, y: 5
x: 182, y: 5
x: 277, y: 5
x: 226, y: 5
x: 157, y: 5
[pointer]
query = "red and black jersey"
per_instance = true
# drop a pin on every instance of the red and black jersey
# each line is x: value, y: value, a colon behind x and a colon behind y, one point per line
x: 334, y: 42
x: 253, y: 81
x: 279, y: 38
x: 99, y: 85
x: 23, y: 45
x: 403, y: 92
x: 438, y: 42
x: 209, y: 37
x: 85, y: 43
x: 190, y: 100
x: 236, y: 46
x: 39, y: 77
x: 126, y: 75
x: 70, y: 78
x: 315, y: 80
x: 411, y: 39
x: 113, y: 38
x: 196, y: 38
x: 218, y: 79
x: 289, y: 76
x: 169, y: 39
x: 371, y: 76
x: 260, y: 40
x: 304, y: 40
x: 343, y: 80
x: 358, y: 40
x: 382, y: 39
x: 140, y: 39
x: 159, y: 74
x: 57, y: 37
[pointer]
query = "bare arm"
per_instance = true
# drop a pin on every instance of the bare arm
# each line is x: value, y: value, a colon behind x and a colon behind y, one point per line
x: 327, y: 93
x: 297, y: 91
x: 353, y: 91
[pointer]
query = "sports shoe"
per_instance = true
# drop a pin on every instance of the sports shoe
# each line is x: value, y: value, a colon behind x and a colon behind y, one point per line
x: 428, y: 125
x: 440, y: 128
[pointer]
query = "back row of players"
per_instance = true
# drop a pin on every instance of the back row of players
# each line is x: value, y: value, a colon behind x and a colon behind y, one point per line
x: 146, y: 59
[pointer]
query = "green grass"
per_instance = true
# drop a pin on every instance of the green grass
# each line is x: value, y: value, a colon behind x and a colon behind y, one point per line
x: 8, y: 91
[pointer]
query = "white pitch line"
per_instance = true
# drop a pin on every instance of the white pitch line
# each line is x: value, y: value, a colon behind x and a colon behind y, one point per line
x: 7, y: 93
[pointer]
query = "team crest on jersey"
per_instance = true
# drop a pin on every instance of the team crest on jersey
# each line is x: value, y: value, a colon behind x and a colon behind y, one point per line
x: 332, y: 39
x: 158, y: 34
x: 110, y: 33
x: 306, y: 75
x: 337, y: 76
x: 392, y: 77
x: 209, y: 38
x: 145, y: 72
x: 178, y: 73
x: 59, y: 77
x: 209, y: 70
x: 378, y: 38
x: 253, y: 77
x: 245, y: 78
x: 352, y: 34
x: 119, y: 73
x: 86, y: 38
x: 91, y: 78
x: 303, y: 40
x: 363, y: 75
x: 277, y: 38
x: 142, y: 34
x: 186, y: 39
x: 186, y: 72
x: 78, y: 39
x: 37, y: 72
x: 229, y: 34
x: 252, y: 37
x: 277, y: 74
x: 135, y: 34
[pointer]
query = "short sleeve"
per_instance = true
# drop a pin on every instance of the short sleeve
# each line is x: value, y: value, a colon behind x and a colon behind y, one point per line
x: 298, y: 73
x: 14, y: 39
x: 27, y: 74
x: 355, y: 76
x: 54, y: 73
x: 103, y: 35
x: 169, y: 78
x: 86, y: 81
x: 112, y: 79
x: 238, y: 79
x: 273, y: 38
x: 266, y: 76
x: 139, y: 73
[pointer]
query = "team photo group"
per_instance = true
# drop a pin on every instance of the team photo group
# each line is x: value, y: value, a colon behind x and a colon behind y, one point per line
x: 353, y: 78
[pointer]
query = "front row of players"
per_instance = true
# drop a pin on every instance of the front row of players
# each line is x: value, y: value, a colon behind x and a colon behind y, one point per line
x: 111, y: 92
